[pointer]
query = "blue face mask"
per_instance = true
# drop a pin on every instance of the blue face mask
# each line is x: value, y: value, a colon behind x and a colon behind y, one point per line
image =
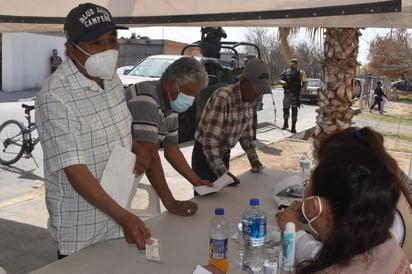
x: 182, y: 101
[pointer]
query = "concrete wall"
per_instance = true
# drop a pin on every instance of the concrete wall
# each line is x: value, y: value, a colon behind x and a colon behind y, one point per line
x: 25, y: 59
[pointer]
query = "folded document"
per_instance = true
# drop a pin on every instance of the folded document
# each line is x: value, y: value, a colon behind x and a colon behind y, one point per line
x: 118, y: 179
x: 220, y: 183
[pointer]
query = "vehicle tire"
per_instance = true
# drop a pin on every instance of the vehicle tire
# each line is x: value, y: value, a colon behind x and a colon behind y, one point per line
x: 11, y: 142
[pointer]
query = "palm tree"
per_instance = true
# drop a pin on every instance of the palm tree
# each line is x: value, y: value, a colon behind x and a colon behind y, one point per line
x: 339, y: 65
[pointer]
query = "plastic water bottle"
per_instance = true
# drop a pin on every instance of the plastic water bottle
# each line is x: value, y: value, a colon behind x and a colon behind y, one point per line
x: 305, y: 165
x: 253, y: 260
x: 254, y: 224
x: 254, y: 234
x: 219, y: 234
x: 240, y: 244
x: 273, y: 253
x: 289, y: 242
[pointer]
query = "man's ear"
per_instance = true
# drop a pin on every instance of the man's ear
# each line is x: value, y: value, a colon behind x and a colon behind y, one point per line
x: 170, y: 89
x: 70, y: 48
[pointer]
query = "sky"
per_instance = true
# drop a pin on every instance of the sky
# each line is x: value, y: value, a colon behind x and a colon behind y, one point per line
x: 192, y: 34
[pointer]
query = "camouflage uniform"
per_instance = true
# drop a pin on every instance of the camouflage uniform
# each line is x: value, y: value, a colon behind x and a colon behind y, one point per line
x: 293, y: 80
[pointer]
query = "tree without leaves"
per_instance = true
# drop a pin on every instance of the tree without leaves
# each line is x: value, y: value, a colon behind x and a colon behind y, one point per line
x: 308, y: 53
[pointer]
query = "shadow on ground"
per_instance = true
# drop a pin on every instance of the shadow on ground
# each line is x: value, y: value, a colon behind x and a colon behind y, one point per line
x: 21, y: 173
x: 24, y: 248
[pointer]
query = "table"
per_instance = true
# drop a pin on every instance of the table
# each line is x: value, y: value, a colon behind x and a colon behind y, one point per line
x: 184, y: 240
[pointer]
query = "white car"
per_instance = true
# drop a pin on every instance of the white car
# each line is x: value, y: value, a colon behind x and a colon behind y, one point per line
x: 311, y: 93
x: 123, y: 70
x: 150, y: 68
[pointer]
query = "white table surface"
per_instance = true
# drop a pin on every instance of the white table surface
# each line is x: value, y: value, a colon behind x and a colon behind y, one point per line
x: 184, y: 240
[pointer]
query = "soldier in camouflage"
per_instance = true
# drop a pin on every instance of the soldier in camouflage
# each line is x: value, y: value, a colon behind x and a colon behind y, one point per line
x: 293, y: 81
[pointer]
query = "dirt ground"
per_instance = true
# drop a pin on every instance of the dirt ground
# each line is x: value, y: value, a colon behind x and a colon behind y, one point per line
x: 285, y: 154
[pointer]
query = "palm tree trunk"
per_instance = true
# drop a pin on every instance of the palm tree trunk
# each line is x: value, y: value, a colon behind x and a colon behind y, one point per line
x: 338, y: 71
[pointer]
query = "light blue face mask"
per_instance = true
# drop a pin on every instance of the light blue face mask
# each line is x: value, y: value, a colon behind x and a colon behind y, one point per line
x: 182, y: 101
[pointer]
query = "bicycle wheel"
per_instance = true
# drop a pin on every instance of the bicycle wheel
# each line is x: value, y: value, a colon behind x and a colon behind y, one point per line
x: 11, y: 142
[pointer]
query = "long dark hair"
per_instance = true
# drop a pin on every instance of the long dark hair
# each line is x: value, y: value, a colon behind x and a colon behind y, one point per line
x: 362, y: 192
x: 371, y: 139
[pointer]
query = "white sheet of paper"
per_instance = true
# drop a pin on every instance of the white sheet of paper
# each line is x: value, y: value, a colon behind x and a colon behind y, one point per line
x: 282, y: 186
x: 118, y: 179
x: 220, y: 183
x: 201, y: 270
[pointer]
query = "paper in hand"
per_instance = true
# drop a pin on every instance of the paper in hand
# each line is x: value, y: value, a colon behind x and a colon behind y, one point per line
x: 220, y: 183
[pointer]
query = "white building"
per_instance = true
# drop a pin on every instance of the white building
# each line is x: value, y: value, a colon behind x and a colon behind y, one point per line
x: 25, y: 59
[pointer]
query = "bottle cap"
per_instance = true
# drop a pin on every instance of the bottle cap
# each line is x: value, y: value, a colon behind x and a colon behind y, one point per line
x: 254, y: 202
x: 290, y: 227
x: 219, y: 211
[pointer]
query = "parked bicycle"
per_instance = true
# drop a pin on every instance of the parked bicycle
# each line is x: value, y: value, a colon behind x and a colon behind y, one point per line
x: 16, y: 139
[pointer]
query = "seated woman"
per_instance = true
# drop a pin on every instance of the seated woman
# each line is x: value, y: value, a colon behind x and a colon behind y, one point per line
x: 350, y: 204
x: 402, y: 227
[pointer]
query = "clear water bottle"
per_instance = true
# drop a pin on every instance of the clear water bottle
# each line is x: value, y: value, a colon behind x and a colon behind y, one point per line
x: 254, y: 224
x: 273, y: 254
x: 219, y: 234
x: 305, y: 165
x: 254, y: 235
x: 253, y: 260
x: 240, y: 244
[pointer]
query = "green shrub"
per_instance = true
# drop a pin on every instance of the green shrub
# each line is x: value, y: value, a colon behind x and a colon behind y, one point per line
x: 407, y: 98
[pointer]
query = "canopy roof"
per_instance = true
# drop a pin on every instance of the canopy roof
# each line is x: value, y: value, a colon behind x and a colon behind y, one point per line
x: 46, y: 15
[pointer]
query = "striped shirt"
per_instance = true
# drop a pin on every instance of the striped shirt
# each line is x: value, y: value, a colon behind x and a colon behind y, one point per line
x: 225, y: 121
x: 152, y: 121
x: 79, y: 123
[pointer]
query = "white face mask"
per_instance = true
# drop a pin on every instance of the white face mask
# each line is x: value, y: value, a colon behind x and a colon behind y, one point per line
x: 314, y: 218
x: 102, y: 64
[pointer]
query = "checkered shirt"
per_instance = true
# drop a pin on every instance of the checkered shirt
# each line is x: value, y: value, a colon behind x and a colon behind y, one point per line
x: 225, y: 121
x: 79, y: 123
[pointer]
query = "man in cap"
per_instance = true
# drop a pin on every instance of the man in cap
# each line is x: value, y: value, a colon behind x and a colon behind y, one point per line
x: 293, y: 81
x: 81, y: 115
x: 227, y: 118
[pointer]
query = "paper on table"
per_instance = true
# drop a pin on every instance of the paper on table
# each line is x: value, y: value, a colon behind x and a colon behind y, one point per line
x: 118, y: 179
x: 220, y: 183
x: 281, y: 196
x: 201, y: 270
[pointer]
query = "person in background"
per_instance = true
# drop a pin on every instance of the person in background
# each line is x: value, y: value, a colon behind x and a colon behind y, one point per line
x: 226, y: 120
x: 81, y: 115
x: 55, y: 61
x: 155, y: 106
x: 378, y: 92
x: 293, y: 81
x: 350, y: 204
x: 210, y: 41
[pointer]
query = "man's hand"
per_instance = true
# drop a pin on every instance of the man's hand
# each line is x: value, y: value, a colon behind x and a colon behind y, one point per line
x: 236, y: 180
x: 142, y: 158
x: 202, y: 182
x: 182, y: 208
x: 135, y: 231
